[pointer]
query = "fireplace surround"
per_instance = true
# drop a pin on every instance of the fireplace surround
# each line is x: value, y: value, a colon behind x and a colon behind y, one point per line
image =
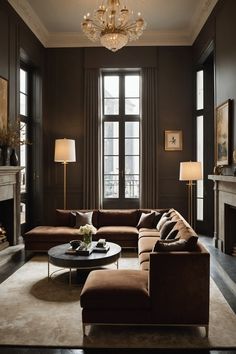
x: 10, y: 203
x: 224, y: 212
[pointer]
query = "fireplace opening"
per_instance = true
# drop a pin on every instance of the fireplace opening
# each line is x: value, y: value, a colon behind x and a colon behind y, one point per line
x: 230, y: 229
x: 7, y: 220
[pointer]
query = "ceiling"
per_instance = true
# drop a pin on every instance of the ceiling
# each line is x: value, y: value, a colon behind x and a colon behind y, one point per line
x: 56, y: 23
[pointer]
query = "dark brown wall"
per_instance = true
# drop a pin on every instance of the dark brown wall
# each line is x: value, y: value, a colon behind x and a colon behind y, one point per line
x: 64, y: 114
x: 19, y: 43
x: 221, y: 29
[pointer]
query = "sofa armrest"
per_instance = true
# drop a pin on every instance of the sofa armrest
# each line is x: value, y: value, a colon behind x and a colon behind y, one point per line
x: 179, y: 287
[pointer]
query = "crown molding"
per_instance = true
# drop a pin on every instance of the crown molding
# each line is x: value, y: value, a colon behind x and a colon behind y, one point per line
x: 31, y: 19
x: 74, y: 39
x: 201, y: 17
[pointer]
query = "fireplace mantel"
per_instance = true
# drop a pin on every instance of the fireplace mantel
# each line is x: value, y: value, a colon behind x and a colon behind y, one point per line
x: 224, y: 197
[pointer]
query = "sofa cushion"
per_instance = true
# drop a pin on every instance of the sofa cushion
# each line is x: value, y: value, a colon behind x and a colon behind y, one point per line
x: 116, y: 233
x: 117, y: 217
x: 166, y: 228
x: 82, y: 218
x: 180, y: 245
x: 146, y: 220
x: 64, y: 218
x: 53, y: 233
x: 146, y: 244
x: 116, y: 289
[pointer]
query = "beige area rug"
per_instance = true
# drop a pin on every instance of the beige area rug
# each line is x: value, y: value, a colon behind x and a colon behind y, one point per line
x: 38, y: 312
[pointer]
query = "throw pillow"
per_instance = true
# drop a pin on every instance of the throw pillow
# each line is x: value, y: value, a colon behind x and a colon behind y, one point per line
x: 172, y: 234
x: 177, y: 246
x: 156, y: 218
x: 146, y: 220
x: 166, y: 228
x: 161, y: 222
x: 82, y: 218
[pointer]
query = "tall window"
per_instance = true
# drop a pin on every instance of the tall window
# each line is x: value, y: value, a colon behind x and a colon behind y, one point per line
x: 24, y: 136
x: 200, y: 140
x: 121, y: 133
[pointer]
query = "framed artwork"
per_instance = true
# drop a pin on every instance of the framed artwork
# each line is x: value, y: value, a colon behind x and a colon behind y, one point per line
x: 3, y: 103
x: 173, y: 140
x: 222, y: 121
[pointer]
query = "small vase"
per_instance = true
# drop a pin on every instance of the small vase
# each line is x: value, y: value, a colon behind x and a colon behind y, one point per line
x: 7, y: 155
x: 87, y: 239
x: 14, y: 160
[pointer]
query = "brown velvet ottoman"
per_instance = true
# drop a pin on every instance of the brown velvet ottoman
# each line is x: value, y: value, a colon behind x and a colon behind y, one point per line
x: 115, y: 297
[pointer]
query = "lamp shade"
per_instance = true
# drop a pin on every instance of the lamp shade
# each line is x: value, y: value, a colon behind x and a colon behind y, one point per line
x: 64, y: 150
x: 190, y: 171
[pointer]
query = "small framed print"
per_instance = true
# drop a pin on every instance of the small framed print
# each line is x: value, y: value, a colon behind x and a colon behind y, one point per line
x: 173, y: 140
x: 222, y: 136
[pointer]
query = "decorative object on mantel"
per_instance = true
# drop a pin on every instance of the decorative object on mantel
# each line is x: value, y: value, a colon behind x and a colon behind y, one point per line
x: 113, y: 25
x: 218, y: 170
x: 10, y: 140
x: 222, y: 137
x: 190, y: 171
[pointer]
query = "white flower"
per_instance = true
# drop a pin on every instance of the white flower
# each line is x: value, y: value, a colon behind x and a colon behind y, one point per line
x: 87, y: 229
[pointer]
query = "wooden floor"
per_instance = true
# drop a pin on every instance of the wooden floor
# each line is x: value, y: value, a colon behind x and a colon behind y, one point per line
x: 223, y: 271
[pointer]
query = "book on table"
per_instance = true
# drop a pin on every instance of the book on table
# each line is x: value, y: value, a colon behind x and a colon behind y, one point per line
x: 101, y: 246
x: 80, y: 251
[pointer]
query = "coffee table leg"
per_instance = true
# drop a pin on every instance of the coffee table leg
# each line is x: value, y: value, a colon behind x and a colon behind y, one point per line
x: 117, y: 264
x: 70, y: 277
x: 48, y: 270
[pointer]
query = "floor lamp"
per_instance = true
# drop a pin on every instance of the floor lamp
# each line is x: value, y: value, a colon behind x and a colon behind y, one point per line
x: 190, y: 171
x: 64, y: 153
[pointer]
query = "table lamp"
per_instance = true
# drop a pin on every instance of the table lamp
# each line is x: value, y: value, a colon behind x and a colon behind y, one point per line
x: 64, y: 153
x: 190, y: 171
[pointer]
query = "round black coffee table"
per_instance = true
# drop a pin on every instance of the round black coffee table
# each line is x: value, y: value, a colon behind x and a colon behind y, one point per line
x: 58, y: 257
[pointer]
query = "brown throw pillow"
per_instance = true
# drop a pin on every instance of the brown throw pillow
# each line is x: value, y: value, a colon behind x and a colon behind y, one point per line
x: 172, y: 234
x: 162, y: 221
x: 82, y: 218
x: 146, y: 220
x: 177, y: 246
x: 166, y: 228
x: 156, y: 218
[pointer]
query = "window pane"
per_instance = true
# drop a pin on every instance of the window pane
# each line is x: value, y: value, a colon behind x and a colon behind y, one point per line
x: 200, y: 92
x: 131, y: 146
x: 22, y: 213
x: 200, y: 147
x: 111, y: 129
x: 131, y: 165
x: 111, y: 165
x: 23, y: 181
x: 131, y: 86
x: 132, y: 129
x: 111, y: 86
x: 23, y: 104
x: 111, y: 146
x: 23, y: 81
x: 111, y: 186
x: 199, y: 209
x: 132, y: 106
x: 132, y: 186
x: 111, y: 106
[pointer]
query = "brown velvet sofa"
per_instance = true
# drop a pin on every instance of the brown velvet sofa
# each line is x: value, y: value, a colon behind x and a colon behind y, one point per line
x: 119, y: 226
x: 171, y: 287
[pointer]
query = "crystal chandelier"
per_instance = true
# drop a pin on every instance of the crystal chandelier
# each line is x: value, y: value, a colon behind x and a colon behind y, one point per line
x: 113, y: 25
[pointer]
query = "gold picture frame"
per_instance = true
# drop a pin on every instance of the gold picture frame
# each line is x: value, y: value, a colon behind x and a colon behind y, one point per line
x: 173, y: 140
x: 222, y: 138
x: 3, y: 103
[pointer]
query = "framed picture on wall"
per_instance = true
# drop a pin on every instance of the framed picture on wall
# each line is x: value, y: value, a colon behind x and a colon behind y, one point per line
x: 173, y: 140
x: 3, y: 103
x: 222, y: 122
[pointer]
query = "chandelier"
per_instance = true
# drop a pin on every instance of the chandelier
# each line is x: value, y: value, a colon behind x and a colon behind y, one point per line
x: 113, y: 25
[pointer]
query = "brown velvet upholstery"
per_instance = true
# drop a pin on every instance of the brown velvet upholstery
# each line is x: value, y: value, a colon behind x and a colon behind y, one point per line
x: 171, y: 287
x: 118, y: 217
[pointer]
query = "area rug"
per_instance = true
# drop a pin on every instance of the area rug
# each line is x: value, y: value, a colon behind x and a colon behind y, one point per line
x: 35, y: 311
